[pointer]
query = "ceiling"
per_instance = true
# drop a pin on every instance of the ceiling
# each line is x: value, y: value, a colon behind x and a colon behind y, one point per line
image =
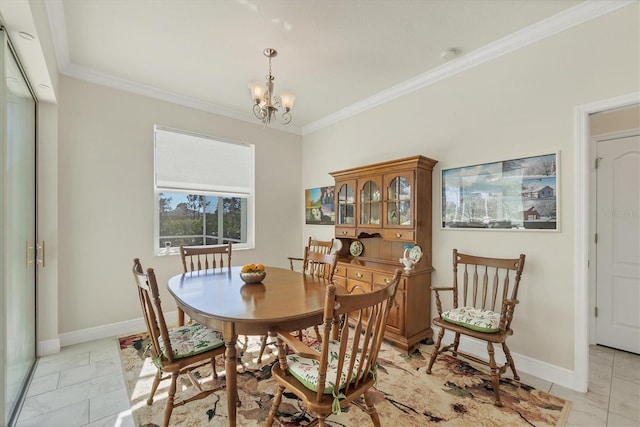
x: 338, y: 56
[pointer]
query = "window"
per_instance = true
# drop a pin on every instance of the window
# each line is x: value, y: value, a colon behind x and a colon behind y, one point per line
x: 203, y: 191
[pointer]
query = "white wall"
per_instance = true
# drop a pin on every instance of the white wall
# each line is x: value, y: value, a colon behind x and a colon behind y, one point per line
x: 106, y: 197
x: 517, y: 105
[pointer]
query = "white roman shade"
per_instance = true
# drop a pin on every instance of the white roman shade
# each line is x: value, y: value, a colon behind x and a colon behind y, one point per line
x: 191, y: 162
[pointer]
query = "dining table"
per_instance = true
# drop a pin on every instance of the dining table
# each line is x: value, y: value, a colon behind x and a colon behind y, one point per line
x: 221, y: 300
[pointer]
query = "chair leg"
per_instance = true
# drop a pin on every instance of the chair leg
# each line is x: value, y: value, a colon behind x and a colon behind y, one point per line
x: 456, y: 343
x: 276, y: 404
x: 213, y: 366
x: 507, y: 354
x: 371, y: 409
x: 322, y: 418
x: 263, y: 346
x: 168, y: 408
x: 435, y: 350
x: 318, y: 336
x: 154, y: 387
x: 495, y: 374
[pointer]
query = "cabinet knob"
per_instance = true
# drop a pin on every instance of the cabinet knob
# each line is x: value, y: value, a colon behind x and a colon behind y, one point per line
x: 359, y: 275
x: 398, y: 235
x: 344, y: 233
x: 387, y: 281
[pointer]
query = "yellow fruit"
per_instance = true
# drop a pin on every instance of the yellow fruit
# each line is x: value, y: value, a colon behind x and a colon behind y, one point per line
x: 259, y: 267
x: 248, y: 268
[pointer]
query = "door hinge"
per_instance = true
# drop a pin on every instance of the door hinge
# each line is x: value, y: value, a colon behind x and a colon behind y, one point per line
x: 595, y: 311
x: 597, y: 162
x: 596, y: 239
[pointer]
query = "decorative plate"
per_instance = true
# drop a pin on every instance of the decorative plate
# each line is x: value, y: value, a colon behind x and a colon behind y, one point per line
x: 356, y: 248
x: 415, y: 253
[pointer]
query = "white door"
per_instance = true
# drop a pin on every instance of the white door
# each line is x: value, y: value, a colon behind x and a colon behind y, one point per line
x: 618, y: 244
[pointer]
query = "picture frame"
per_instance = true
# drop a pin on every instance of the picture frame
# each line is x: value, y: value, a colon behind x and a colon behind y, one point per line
x: 319, y: 206
x: 516, y: 194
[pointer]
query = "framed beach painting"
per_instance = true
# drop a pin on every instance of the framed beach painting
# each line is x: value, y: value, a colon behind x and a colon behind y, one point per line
x: 319, y: 207
x: 517, y: 194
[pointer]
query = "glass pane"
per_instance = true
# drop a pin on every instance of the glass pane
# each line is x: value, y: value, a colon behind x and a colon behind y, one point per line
x: 405, y: 213
x: 195, y: 219
x: 393, y: 189
x: 375, y: 213
x: 365, y: 214
x: 18, y: 113
x: 392, y: 214
x: 404, y: 189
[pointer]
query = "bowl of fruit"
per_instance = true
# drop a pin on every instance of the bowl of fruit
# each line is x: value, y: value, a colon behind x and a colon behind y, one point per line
x: 253, y: 273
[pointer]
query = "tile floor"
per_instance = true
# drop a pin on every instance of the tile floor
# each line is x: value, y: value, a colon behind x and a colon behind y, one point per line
x: 83, y: 385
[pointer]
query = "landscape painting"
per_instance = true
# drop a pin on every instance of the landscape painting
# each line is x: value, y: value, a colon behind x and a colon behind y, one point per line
x: 518, y: 194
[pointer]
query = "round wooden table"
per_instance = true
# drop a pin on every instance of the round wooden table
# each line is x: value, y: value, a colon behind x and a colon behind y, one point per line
x: 220, y: 300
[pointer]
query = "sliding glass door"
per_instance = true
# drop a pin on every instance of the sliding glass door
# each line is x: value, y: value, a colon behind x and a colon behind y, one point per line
x: 18, y: 220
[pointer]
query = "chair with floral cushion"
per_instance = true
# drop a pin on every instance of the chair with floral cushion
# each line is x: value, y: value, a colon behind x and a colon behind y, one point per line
x: 484, y: 296
x: 334, y: 373
x: 174, y: 351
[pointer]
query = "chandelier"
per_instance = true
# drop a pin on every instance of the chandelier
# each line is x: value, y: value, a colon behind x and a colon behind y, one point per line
x: 266, y: 105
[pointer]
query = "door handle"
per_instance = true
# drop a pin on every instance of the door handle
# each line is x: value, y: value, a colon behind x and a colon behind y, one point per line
x: 40, y: 254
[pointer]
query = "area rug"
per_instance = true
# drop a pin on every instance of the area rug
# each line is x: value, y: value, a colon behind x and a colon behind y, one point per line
x: 455, y: 394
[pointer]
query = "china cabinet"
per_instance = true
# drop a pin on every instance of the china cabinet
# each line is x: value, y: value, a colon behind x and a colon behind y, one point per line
x: 381, y: 209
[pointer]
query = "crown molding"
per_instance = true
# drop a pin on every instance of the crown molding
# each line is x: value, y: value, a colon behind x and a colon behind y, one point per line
x: 588, y: 10
x: 569, y: 18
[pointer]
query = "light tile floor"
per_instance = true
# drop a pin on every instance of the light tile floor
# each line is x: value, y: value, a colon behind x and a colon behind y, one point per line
x: 83, y: 385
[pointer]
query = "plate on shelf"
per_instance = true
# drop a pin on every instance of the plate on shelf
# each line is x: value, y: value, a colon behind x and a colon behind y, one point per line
x: 415, y: 253
x: 356, y: 248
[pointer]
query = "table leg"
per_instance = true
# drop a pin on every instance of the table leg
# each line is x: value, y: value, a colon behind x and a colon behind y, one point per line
x: 231, y: 373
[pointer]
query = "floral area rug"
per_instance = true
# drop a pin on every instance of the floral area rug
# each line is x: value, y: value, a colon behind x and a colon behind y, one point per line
x: 455, y: 394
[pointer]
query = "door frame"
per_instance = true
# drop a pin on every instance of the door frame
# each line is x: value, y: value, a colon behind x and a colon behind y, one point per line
x: 583, y: 232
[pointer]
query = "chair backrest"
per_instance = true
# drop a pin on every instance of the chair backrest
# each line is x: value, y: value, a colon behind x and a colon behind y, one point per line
x: 319, y: 264
x: 152, y: 311
x: 196, y: 258
x: 358, y: 346
x: 485, y: 283
x: 322, y: 246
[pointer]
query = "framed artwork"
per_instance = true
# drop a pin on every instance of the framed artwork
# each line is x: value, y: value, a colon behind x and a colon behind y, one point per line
x: 517, y: 194
x: 318, y: 206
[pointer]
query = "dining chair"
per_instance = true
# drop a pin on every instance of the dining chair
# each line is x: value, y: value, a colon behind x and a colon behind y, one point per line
x: 484, y: 296
x: 175, y: 351
x: 330, y: 375
x: 316, y: 264
x: 321, y: 246
x: 204, y: 257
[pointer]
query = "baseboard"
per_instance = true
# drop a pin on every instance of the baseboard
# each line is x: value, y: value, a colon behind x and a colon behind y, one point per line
x: 111, y: 330
x: 525, y: 364
x: 48, y: 347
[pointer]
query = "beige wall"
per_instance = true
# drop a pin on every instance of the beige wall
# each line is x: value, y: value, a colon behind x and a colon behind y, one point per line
x: 106, y: 197
x: 517, y: 105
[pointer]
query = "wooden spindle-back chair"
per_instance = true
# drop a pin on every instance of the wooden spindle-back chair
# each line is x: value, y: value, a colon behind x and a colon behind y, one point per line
x: 484, y: 296
x: 174, y: 351
x: 196, y: 258
x: 320, y: 246
x: 333, y: 374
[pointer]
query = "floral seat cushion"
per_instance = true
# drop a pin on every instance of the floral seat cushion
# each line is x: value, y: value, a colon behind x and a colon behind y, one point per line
x: 306, y: 370
x: 474, y: 318
x: 192, y: 339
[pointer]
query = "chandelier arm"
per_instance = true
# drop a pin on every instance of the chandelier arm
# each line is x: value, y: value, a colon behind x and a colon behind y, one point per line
x: 259, y: 112
x: 285, y: 118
